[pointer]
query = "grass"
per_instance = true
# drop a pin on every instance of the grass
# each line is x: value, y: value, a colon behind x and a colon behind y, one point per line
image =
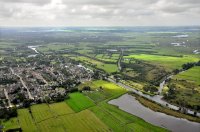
x: 107, y: 90
x: 56, y: 108
x: 192, y: 75
x: 79, y: 102
x: 83, y: 121
x: 109, y: 68
x: 168, y: 62
x: 41, y: 112
x: 187, y: 92
x: 26, y: 121
x: 187, y: 86
x: 105, y: 57
x: 63, y: 119
x: 11, y: 124
x: 95, y: 117
x: 113, y: 117
x: 120, y: 121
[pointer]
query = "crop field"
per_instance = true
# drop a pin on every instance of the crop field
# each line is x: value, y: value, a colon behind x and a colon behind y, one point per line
x: 68, y: 121
x: 166, y: 61
x: 91, y: 117
x: 55, y: 47
x: 120, y: 121
x: 41, y: 112
x: 105, y: 57
x: 26, y: 121
x: 192, y: 75
x: 102, y: 90
x: 149, y: 56
x: 106, y: 67
x: 56, y: 108
x: 79, y: 102
x: 83, y: 121
x: 12, y: 123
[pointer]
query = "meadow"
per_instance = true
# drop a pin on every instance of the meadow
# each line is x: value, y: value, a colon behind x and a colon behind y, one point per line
x: 79, y: 102
x: 113, y: 117
x: 102, y: 90
x: 187, y: 86
x: 190, y: 75
x: 168, y: 62
x: 55, y: 117
x: 109, y: 68
x: 79, y: 113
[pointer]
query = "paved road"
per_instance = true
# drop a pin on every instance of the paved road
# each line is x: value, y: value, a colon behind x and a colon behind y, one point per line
x: 120, y: 59
x: 157, y: 98
x: 23, y: 83
x: 7, y: 97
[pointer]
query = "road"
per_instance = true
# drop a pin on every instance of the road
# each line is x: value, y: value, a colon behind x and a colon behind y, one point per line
x: 23, y: 83
x: 39, y: 76
x: 7, y: 97
x: 157, y: 98
x: 120, y: 59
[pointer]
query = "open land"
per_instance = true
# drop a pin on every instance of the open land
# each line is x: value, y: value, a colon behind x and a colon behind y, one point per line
x: 58, y: 81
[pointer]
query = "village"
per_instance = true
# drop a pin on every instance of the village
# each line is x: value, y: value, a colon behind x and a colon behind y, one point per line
x: 25, y: 83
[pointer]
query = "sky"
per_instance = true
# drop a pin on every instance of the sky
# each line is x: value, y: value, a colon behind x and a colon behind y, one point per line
x: 99, y: 12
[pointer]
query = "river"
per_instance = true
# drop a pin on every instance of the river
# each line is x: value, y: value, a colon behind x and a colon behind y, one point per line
x: 157, y: 98
x: 34, y: 49
x: 129, y: 104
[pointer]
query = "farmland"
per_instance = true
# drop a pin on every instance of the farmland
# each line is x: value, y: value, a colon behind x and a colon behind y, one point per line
x: 187, y: 88
x: 86, y: 117
x: 102, y: 90
x: 72, y: 74
x: 56, y: 117
x: 190, y: 75
x: 168, y: 62
x: 109, y: 68
x: 79, y: 102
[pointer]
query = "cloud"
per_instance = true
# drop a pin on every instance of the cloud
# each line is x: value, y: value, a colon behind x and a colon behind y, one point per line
x: 99, y: 12
x: 37, y: 2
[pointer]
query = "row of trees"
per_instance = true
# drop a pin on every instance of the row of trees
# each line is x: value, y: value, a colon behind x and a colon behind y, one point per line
x: 187, y: 66
x: 8, y: 113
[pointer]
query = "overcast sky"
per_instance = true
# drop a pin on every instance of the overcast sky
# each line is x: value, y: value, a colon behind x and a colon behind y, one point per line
x: 99, y: 12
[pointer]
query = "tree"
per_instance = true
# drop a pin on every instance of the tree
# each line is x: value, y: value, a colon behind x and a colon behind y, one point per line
x: 86, y: 88
x: 150, y: 88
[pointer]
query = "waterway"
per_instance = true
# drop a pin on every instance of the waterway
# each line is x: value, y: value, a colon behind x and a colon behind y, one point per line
x: 129, y: 104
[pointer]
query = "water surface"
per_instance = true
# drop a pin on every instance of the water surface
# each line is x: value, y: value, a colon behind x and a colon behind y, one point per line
x: 129, y: 104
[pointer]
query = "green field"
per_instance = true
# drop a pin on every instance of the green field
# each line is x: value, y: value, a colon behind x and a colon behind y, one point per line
x: 120, y: 121
x: 167, y: 61
x: 113, y: 117
x: 187, y: 86
x: 79, y: 102
x: 11, y: 124
x: 107, y: 90
x: 26, y: 121
x: 109, y: 68
x: 105, y: 57
x: 92, y: 117
x: 56, y: 108
x: 41, y: 112
x: 60, y: 118
x: 192, y: 75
